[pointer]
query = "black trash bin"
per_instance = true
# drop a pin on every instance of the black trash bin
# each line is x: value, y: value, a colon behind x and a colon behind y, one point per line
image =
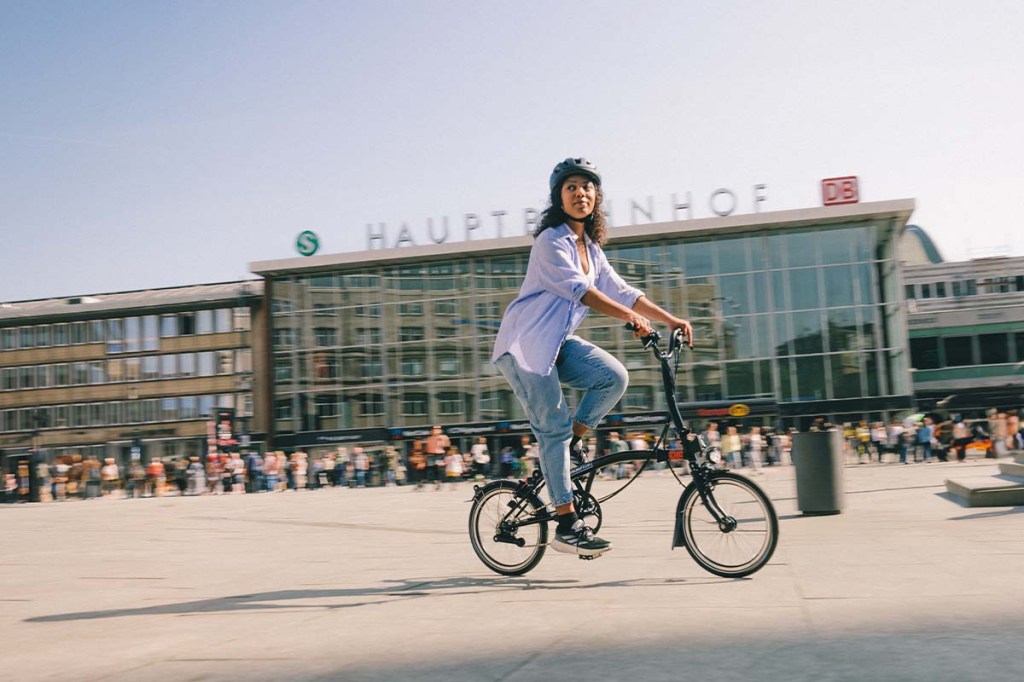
x: 818, y: 459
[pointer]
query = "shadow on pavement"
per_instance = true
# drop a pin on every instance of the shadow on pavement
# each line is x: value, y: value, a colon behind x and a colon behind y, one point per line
x: 397, y: 590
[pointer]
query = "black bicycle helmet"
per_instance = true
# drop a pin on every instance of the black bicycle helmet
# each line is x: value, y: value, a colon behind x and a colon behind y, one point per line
x: 577, y: 166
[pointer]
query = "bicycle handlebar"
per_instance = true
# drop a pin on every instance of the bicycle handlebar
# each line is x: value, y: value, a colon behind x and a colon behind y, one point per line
x: 675, y: 342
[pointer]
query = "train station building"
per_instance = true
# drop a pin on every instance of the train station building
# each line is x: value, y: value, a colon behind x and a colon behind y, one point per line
x: 797, y: 315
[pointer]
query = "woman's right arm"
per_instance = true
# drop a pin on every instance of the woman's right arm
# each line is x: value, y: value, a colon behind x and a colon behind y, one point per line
x: 598, y: 301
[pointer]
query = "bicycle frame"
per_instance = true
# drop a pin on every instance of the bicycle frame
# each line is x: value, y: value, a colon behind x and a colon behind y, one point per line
x: 584, y: 475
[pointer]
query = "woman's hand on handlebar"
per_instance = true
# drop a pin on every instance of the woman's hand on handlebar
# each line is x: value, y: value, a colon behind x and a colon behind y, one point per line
x: 685, y: 327
x: 641, y: 326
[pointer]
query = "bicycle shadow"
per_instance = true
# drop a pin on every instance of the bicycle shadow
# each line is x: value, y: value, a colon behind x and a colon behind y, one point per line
x: 393, y: 592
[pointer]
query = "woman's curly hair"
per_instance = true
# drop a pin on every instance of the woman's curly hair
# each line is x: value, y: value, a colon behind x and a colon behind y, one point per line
x: 595, y: 225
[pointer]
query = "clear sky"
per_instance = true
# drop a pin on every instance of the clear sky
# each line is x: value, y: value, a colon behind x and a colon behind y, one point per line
x: 152, y: 144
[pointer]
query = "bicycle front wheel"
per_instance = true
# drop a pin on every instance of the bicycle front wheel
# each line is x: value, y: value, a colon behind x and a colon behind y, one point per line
x: 498, y: 530
x: 734, y: 532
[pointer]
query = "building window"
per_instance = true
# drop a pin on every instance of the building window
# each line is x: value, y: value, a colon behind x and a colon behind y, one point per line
x: 207, y: 364
x: 372, y: 369
x: 371, y: 404
x: 98, y: 372
x: 187, y: 364
x: 132, y: 334
x: 414, y: 404
x: 188, y: 407
x: 9, y: 339
x: 325, y: 366
x: 924, y: 352
x: 150, y: 332
x: 940, y: 290
x: 410, y: 334
x: 406, y: 309
x: 283, y: 409
x: 168, y: 366
x: 168, y: 326
x: 958, y: 351
x: 79, y: 333
x: 28, y: 338
x: 326, y: 336
x: 283, y: 337
x: 412, y: 367
x: 80, y: 373
x: 995, y: 348
x: 926, y: 290
x: 638, y: 398
x: 368, y: 311
x: 186, y: 324
x: 10, y: 379
x: 43, y: 336
x: 243, y: 319
x: 957, y: 290
x: 326, y: 406
x: 115, y: 336
x: 448, y: 364
x: 132, y: 369
x: 366, y: 336
x: 222, y: 320
x: 204, y: 322
x: 225, y: 362
x: 446, y: 308
x: 449, y: 404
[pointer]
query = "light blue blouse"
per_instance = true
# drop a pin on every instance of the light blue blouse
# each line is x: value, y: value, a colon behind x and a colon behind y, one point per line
x: 549, y: 306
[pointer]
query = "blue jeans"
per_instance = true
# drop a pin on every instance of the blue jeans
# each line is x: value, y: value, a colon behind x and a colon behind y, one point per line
x: 581, y: 365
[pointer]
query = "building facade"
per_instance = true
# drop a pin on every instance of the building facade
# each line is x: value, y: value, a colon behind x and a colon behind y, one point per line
x: 129, y: 374
x: 797, y: 315
x: 967, y: 334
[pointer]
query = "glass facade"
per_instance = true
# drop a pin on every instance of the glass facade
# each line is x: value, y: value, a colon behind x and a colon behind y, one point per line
x: 798, y: 316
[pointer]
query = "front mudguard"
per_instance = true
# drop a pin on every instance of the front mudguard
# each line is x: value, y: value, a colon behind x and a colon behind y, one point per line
x: 678, y: 536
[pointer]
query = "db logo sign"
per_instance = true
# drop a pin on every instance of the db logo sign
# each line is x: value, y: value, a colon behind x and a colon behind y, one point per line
x: 835, y: 191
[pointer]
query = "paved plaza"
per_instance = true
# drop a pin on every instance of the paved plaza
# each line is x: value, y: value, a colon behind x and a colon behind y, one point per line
x: 382, y: 584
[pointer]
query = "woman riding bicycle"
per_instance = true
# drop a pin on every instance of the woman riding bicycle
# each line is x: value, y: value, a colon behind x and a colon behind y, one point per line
x: 536, y: 351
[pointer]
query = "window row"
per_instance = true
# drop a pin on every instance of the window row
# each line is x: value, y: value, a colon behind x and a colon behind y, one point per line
x: 971, y: 286
x: 126, y: 334
x: 115, y: 413
x: 934, y: 352
x: 144, y: 368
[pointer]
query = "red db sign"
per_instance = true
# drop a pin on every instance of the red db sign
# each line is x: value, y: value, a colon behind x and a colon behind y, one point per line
x: 843, y: 190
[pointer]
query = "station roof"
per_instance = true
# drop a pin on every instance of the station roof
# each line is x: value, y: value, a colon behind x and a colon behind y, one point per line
x: 145, y: 300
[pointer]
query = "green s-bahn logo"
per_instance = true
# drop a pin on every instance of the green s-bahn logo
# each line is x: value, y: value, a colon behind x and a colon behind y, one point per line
x: 307, y: 243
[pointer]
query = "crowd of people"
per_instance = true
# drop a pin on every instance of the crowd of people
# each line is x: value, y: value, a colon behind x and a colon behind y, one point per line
x: 436, y: 462
x: 933, y: 437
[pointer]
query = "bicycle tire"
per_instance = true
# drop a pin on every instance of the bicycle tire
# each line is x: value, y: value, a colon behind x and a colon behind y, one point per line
x: 489, y: 508
x: 728, y: 551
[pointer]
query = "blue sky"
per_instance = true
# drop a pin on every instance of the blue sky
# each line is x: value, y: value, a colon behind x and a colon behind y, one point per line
x: 149, y: 144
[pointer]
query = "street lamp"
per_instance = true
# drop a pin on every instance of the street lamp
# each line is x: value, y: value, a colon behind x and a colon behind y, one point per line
x: 38, y: 422
x: 135, y: 453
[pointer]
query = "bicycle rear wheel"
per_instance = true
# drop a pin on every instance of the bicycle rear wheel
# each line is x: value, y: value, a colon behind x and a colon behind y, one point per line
x: 744, y: 538
x: 496, y: 531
